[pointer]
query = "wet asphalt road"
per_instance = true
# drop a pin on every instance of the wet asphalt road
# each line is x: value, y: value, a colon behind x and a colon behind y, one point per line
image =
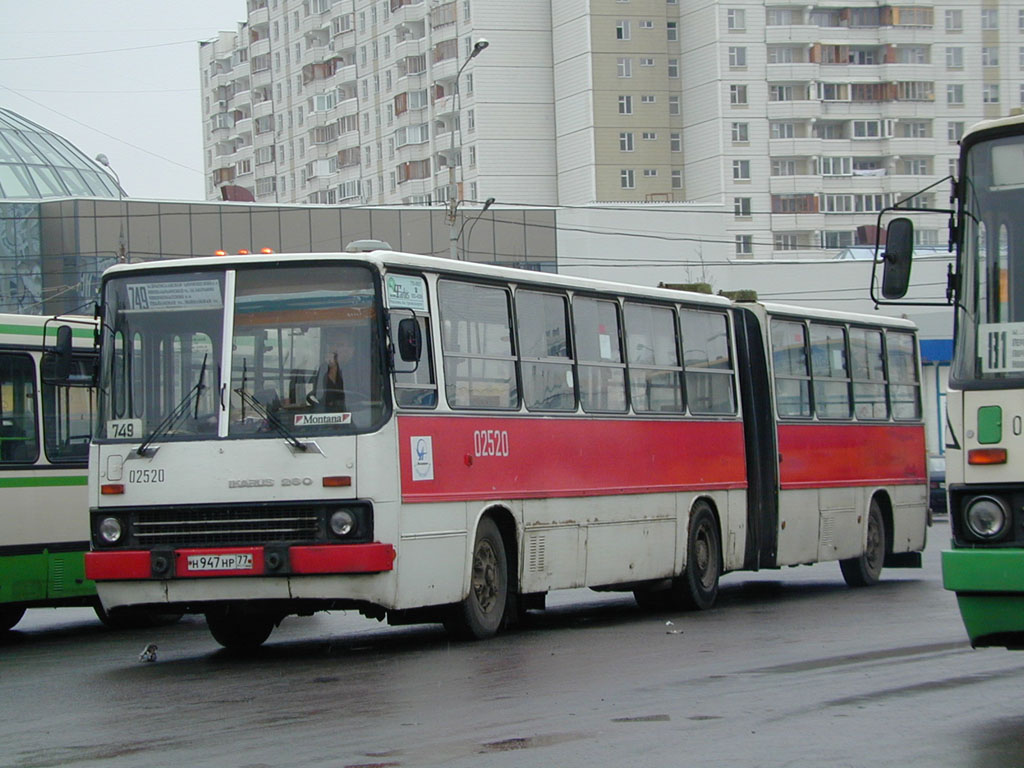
x: 791, y: 669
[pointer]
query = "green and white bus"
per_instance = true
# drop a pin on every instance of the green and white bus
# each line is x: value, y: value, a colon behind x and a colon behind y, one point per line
x: 44, y: 450
x: 985, y: 406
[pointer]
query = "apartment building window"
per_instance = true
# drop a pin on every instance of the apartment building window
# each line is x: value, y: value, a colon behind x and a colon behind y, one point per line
x: 1020, y: 57
x: 266, y: 186
x: 626, y: 141
x: 780, y: 55
x: 782, y: 17
x: 626, y: 180
x: 625, y: 67
x: 673, y: 105
x: 741, y: 207
x: 471, y: 120
x: 672, y: 30
x: 737, y: 56
x: 916, y: 166
x: 954, y: 130
x: 737, y: 95
x: 646, y: 24
x: 839, y: 239
x: 916, y: 129
x: 677, y: 179
x: 837, y: 203
x: 649, y: 136
x: 954, y: 21
x: 990, y: 93
x: 836, y: 166
x: 989, y: 56
x: 783, y: 166
x: 1020, y: 20
x: 1022, y: 94
x: 673, y: 68
x: 786, y: 241
x: 736, y: 19
x: 625, y: 105
x: 650, y: 173
x: 645, y: 99
x: 869, y: 129
x: 954, y: 57
x: 990, y: 18
x: 914, y: 17
x: 646, y: 61
x: 744, y: 245
x: 675, y: 142
x: 909, y: 54
x: 782, y: 130
x: 466, y: 15
x: 741, y: 170
x: 472, y: 156
x: 955, y: 95
x: 622, y: 29
x: 780, y: 93
x: 243, y: 167
x: 468, y: 80
x: 740, y: 133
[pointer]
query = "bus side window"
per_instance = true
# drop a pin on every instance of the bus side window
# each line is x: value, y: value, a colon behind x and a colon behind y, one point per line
x: 830, y: 371
x: 602, y: 369
x: 19, y: 442
x: 419, y: 388
x: 543, y: 320
x: 653, y: 355
x: 904, y: 388
x: 68, y: 415
x: 792, y: 376
x: 867, y: 364
x: 710, y: 386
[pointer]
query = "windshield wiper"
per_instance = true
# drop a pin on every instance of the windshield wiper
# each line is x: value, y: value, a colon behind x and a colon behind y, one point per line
x: 177, y: 413
x: 271, y: 419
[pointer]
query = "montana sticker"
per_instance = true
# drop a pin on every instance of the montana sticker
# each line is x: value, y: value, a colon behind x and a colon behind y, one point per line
x: 322, y: 419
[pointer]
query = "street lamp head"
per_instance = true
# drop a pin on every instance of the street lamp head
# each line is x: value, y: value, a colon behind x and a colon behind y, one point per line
x: 487, y: 204
x: 478, y: 46
x: 102, y: 160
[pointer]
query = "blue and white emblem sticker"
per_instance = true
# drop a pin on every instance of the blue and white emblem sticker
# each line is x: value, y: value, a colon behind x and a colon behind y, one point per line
x: 422, y: 458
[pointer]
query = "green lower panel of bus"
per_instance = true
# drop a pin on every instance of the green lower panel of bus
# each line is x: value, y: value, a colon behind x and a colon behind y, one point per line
x: 989, y: 586
x: 49, y: 578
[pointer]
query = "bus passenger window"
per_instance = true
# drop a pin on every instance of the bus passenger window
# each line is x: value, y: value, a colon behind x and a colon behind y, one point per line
x: 543, y: 320
x: 903, y: 384
x: 18, y: 438
x: 419, y: 389
x: 710, y: 388
x: 68, y: 414
x: 476, y: 340
x: 792, y: 377
x: 867, y: 365
x: 655, y: 381
x: 602, y: 372
x: 830, y: 371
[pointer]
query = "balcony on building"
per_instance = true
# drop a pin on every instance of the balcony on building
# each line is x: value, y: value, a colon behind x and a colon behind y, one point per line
x: 258, y: 11
x: 404, y: 11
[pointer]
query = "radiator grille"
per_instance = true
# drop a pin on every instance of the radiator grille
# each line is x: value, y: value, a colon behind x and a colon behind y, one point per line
x: 203, y: 526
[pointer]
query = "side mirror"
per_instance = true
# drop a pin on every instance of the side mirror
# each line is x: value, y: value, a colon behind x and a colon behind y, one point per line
x: 410, y: 340
x: 899, y: 251
x: 62, y: 354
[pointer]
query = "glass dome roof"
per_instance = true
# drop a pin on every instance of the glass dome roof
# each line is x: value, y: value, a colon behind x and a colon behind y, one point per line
x: 36, y: 163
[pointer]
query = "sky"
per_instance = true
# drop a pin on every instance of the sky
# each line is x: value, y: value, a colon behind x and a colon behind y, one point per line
x: 117, y: 77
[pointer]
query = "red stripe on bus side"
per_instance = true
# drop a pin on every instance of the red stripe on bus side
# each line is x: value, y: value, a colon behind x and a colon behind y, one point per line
x: 836, y: 455
x: 567, y: 457
x: 342, y: 558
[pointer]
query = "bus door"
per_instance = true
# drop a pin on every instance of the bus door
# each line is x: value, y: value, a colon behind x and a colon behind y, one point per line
x: 759, y: 437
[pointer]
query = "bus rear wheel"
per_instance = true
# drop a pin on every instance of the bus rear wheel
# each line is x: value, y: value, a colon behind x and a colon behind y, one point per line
x: 9, y: 617
x: 239, y: 629
x: 866, y: 570
x: 697, y: 588
x: 481, y: 613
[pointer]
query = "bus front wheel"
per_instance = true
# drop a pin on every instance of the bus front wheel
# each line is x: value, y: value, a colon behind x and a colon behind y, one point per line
x: 865, y: 570
x: 697, y: 587
x: 9, y: 617
x: 480, y: 614
x: 240, y: 630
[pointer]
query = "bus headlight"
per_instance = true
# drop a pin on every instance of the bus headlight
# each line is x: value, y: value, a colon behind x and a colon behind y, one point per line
x: 110, y: 530
x: 986, y: 517
x: 342, y: 522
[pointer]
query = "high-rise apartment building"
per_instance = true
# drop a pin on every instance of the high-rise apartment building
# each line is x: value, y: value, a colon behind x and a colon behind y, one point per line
x: 802, y: 120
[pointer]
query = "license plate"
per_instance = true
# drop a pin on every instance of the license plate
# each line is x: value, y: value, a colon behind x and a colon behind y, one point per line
x: 233, y: 562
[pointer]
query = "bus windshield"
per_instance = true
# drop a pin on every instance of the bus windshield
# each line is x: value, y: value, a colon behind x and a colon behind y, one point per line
x: 305, y: 354
x: 990, y: 320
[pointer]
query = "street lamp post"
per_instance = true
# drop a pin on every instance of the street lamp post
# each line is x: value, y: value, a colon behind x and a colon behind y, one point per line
x: 122, y: 255
x: 453, y: 201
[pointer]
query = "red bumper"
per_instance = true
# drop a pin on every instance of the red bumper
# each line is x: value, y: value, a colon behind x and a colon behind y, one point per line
x: 301, y: 560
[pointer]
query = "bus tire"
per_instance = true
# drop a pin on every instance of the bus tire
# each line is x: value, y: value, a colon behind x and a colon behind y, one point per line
x: 697, y: 588
x: 240, y: 630
x: 865, y: 570
x: 10, y: 616
x: 481, y: 613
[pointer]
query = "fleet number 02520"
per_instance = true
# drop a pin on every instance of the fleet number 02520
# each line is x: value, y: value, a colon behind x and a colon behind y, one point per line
x: 490, y: 442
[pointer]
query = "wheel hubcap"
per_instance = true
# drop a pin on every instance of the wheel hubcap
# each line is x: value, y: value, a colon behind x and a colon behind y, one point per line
x: 486, y: 584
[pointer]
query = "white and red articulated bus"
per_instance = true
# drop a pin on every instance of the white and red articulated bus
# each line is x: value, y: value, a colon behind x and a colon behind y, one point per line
x: 423, y: 439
